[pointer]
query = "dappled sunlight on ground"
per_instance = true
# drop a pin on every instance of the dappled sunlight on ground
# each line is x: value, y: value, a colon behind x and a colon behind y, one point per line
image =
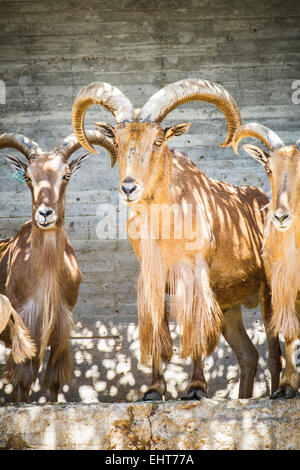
x: 106, y: 366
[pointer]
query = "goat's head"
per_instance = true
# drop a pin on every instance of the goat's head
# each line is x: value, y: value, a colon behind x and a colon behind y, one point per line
x: 47, y: 173
x: 138, y: 136
x: 282, y: 164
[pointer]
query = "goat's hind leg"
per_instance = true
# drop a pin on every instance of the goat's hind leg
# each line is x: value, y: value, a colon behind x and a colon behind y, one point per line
x: 236, y: 336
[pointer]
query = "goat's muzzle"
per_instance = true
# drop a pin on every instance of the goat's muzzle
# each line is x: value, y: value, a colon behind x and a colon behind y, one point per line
x: 130, y: 191
x: 45, y: 217
x: 282, y: 220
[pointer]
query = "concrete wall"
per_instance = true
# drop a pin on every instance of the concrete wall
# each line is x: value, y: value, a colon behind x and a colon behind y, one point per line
x: 48, y: 52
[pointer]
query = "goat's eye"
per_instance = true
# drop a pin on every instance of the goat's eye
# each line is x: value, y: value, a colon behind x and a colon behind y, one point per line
x: 268, y: 170
x: 27, y: 179
x: 158, y: 142
x: 67, y: 176
x: 116, y: 144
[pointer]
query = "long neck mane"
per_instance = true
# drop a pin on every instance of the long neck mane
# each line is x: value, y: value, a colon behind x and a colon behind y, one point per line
x: 47, y: 252
x: 46, y: 265
x: 280, y: 254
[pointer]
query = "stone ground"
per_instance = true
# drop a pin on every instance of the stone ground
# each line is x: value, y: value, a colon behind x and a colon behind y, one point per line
x: 211, y: 424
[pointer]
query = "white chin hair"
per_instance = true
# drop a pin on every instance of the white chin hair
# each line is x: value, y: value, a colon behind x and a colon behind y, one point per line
x: 46, y: 227
x: 134, y: 201
x: 282, y: 229
x: 129, y: 201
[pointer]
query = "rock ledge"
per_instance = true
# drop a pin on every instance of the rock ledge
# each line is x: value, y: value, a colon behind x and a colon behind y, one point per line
x: 174, y: 425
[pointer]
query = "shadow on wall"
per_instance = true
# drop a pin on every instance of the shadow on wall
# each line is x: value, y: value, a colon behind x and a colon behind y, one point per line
x: 106, y: 368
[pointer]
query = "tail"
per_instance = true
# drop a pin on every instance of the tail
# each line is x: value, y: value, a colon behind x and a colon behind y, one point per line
x: 22, y: 345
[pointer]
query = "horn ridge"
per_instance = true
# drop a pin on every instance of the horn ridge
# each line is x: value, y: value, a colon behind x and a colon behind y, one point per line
x: 106, y: 95
x: 19, y: 142
x: 166, y: 99
x: 70, y: 144
x: 253, y: 129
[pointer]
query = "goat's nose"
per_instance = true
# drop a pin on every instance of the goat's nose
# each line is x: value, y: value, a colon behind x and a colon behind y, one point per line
x: 281, y: 217
x: 128, y: 186
x: 46, y: 212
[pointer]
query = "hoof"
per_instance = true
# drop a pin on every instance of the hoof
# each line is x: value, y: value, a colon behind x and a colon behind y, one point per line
x: 195, y: 393
x: 285, y: 391
x: 151, y: 395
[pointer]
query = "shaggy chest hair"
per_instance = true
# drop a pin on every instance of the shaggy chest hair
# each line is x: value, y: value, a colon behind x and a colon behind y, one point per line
x: 44, y: 305
x: 281, y: 259
x: 193, y: 303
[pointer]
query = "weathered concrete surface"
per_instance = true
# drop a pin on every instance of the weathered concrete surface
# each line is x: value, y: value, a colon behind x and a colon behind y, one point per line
x: 254, y: 424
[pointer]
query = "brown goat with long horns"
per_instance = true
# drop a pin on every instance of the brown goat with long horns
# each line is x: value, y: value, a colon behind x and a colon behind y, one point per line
x: 281, y: 246
x: 209, y: 271
x: 38, y: 268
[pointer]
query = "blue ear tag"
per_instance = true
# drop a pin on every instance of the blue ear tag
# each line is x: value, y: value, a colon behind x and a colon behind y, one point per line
x: 19, y: 176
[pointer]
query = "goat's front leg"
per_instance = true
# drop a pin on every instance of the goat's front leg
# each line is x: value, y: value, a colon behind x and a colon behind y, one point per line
x: 198, y: 386
x: 59, y: 365
x: 158, y: 386
x: 154, y: 335
x: 289, y: 383
x: 274, y: 351
x: 22, y: 377
x: 196, y: 310
x: 57, y: 372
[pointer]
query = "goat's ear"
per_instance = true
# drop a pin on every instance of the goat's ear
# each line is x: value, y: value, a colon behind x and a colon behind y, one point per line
x: 106, y: 129
x: 17, y: 164
x: 257, y: 153
x: 177, y: 130
x: 76, y: 164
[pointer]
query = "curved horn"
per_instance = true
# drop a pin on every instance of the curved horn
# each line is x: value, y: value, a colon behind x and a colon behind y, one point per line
x: 19, y: 142
x: 70, y: 144
x: 175, y: 94
x: 103, y: 94
x: 253, y: 129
